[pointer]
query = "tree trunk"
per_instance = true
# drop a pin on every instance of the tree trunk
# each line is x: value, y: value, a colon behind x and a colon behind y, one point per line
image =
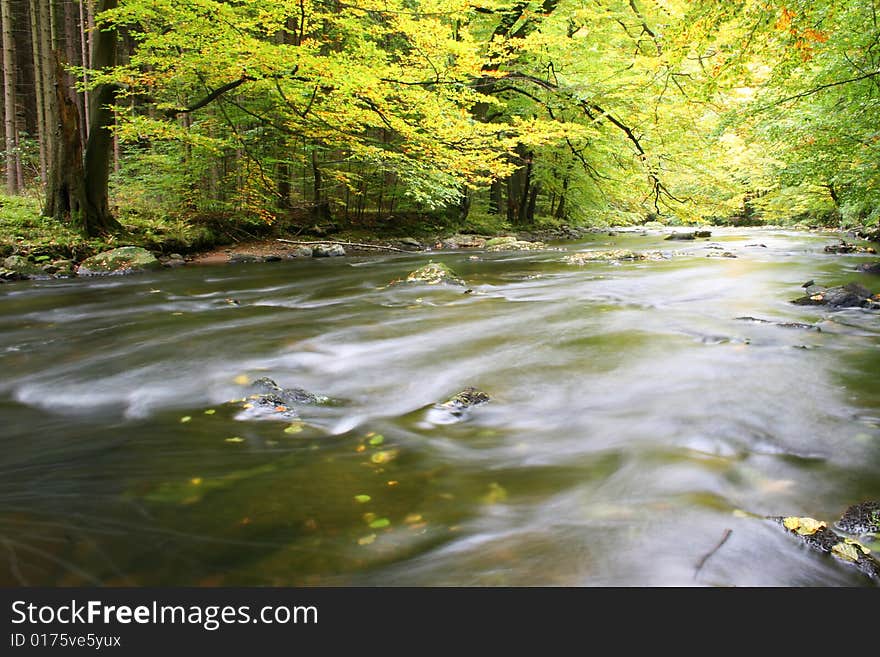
x: 96, y: 218
x: 561, y: 212
x: 38, y: 88
x: 64, y: 189
x: 9, y: 95
x: 320, y: 207
x: 495, y: 196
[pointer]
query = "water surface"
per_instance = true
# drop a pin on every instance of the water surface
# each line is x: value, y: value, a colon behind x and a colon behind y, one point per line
x: 633, y: 418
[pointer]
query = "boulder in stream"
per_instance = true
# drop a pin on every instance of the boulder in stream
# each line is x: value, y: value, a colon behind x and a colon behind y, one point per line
x: 434, y: 273
x: 269, y: 400
x: 462, y: 241
x: 870, y: 268
x: 124, y: 260
x: 846, y: 247
x: 511, y: 243
x: 681, y: 236
x: 851, y: 295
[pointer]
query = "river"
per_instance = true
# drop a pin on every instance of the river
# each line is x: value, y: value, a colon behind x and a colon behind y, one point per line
x: 634, y: 420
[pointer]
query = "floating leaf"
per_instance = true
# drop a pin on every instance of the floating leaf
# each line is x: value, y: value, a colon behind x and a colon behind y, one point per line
x: 242, y: 379
x: 392, y: 483
x: 803, y: 526
x: 196, y: 481
x: 379, y: 523
x: 235, y: 439
x: 413, y: 518
x: 497, y: 493
x: 210, y: 411
x: 295, y: 427
x: 384, y: 456
x: 366, y: 540
x: 186, y: 418
x: 377, y: 440
x: 362, y: 499
x: 369, y: 517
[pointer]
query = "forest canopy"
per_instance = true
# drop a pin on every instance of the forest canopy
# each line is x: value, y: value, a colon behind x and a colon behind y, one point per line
x: 467, y: 112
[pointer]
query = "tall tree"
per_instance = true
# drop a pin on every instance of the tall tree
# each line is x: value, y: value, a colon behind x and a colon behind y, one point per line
x: 9, y: 110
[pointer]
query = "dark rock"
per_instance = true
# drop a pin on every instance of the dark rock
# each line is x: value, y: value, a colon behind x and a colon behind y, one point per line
x: 860, y: 519
x: 818, y: 537
x: 454, y: 409
x: 328, y: 251
x: 851, y: 295
x: 124, y: 260
x: 273, y: 258
x: 846, y: 247
x: 702, y: 233
x: 272, y: 392
x: 174, y: 260
x: 681, y: 236
x: 870, y: 268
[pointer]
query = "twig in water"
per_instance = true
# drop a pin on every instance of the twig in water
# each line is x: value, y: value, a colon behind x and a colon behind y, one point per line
x: 706, y: 557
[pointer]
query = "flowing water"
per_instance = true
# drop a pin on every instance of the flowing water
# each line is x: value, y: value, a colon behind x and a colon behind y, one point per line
x: 633, y: 420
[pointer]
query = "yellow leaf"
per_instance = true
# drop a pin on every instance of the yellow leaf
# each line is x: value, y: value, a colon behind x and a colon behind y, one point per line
x: 366, y: 540
x: 803, y: 526
x: 235, y: 439
x: 242, y: 379
x: 846, y: 551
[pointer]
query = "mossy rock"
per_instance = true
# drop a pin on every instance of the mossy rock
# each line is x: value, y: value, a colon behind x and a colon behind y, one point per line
x: 124, y: 260
x: 20, y: 267
x: 434, y: 273
x: 510, y: 243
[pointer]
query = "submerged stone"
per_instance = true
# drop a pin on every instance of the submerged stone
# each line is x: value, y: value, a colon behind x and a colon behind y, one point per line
x: 124, y: 260
x: 870, y: 268
x: 681, y: 236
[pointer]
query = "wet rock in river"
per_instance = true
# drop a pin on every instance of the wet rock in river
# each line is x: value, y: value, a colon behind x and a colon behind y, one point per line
x: 681, y: 236
x: 870, y: 268
x: 269, y: 400
x: 702, y: 233
x: 410, y: 243
x: 846, y: 247
x: 124, y: 260
x: 818, y: 537
x: 434, y: 273
x: 455, y: 408
x: 851, y: 295
x: 268, y: 388
x: 860, y: 519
